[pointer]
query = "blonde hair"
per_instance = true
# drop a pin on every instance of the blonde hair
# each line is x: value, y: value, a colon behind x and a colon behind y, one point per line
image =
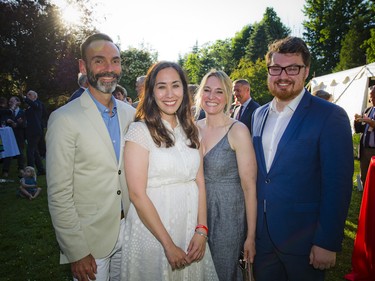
x: 32, y: 170
x: 226, y: 83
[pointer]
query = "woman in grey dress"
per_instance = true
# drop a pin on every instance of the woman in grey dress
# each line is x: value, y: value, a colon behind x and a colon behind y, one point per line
x: 230, y: 177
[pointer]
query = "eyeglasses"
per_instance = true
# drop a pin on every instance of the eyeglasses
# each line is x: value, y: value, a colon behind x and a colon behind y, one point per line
x: 291, y: 70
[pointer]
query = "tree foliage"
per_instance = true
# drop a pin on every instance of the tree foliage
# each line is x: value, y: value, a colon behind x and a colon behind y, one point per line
x: 217, y: 55
x: 369, y: 46
x: 240, y: 42
x: 135, y: 63
x: 37, y: 52
x: 331, y: 30
x: 352, y: 52
x: 256, y: 74
x: 234, y: 55
x: 269, y: 29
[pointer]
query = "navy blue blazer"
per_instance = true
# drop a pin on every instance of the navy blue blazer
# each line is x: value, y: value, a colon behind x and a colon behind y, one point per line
x: 247, y: 113
x: 307, y: 191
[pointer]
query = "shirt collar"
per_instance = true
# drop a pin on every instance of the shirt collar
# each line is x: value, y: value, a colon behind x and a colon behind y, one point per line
x: 168, y: 126
x: 292, y: 106
x: 103, y: 109
x: 246, y: 103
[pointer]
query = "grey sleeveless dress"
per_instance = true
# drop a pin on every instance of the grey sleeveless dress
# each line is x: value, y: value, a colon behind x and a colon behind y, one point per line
x: 226, y: 214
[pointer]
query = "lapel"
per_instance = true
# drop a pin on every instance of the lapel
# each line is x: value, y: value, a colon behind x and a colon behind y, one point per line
x: 244, y: 112
x: 93, y: 115
x: 249, y: 109
x: 294, y: 124
x: 259, y: 120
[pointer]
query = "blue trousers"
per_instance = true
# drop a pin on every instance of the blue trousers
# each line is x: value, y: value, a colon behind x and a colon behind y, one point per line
x: 272, y: 265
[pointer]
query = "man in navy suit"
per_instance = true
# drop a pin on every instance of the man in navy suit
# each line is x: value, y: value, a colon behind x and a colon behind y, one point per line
x: 365, y: 124
x: 304, y: 152
x: 34, y: 130
x: 243, y: 113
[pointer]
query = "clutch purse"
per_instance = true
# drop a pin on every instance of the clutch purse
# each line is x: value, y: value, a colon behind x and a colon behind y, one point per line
x: 246, y: 269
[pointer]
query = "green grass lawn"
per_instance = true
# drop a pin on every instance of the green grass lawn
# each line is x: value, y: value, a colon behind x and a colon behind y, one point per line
x: 28, y: 248
x: 29, y: 251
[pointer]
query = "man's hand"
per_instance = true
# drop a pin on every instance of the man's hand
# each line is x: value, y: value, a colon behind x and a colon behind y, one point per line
x: 321, y: 258
x: 84, y: 269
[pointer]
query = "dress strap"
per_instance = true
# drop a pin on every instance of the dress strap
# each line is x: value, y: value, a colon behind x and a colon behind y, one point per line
x: 231, y: 126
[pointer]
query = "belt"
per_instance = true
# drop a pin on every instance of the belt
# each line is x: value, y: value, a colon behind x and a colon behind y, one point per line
x: 122, y: 215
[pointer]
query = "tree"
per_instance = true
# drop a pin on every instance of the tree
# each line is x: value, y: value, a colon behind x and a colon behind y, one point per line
x: 265, y: 32
x: 192, y: 67
x: 256, y: 74
x: 369, y: 46
x: 328, y: 23
x: 135, y: 63
x: 37, y: 52
x: 240, y: 41
x: 353, y: 52
x: 251, y: 42
x: 217, y: 55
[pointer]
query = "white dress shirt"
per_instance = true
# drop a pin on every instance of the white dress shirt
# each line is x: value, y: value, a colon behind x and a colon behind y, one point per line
x: 275, y: 126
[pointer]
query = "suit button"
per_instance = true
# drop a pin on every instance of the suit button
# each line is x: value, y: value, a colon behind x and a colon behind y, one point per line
x: 119, y: 172
x: 267, y: 181
x: 118, y: 192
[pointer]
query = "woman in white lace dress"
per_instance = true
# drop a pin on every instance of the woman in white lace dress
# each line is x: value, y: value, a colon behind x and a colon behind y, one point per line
x: 165, y: 232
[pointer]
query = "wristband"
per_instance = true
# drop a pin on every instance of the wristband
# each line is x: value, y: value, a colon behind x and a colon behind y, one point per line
x: 201, y: 234
x: 202, y: 226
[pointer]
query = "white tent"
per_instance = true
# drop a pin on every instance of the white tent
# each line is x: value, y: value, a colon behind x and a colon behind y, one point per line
x: 349, y: 88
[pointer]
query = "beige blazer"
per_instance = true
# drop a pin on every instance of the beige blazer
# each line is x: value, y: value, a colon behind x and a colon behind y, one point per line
x: 85, y: 181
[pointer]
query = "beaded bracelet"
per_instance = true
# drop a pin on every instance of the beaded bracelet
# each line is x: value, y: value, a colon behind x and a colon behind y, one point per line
x: 201, y: 234
x: 202, y: 226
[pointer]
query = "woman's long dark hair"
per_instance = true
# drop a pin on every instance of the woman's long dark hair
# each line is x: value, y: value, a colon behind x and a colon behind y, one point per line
x: 149, y: 112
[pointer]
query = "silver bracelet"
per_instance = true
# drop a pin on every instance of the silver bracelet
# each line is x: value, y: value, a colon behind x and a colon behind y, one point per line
x: 201, y: 234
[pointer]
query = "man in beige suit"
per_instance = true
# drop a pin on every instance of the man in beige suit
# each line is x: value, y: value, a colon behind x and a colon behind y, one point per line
x: 85, y: 167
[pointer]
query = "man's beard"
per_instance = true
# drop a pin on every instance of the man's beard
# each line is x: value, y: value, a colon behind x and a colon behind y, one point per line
x: 103, y: 86
x: 286, y: 95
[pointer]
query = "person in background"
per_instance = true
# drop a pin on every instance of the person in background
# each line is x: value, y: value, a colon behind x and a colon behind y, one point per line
x: 244, y: 112
x: 42, y: 141
x: 5, y: 112
x: 166, y: 228
x: 17, y: 121
x: 323, y: 95
x: 129, y: 100
x: 304, y: 152
x: 28, y: 184
x: 120, y: 93
x: 87, y: 194
x: 230, y: 176
x: 82, y: 83
x: 365, y: 125
x: 34, y: 130
x: 139, y: 87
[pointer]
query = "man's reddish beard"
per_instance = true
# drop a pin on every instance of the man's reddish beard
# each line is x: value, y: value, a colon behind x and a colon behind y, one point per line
x: 284, y: 94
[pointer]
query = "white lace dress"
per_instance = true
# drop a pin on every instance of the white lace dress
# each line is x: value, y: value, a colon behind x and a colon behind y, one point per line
x: 172, y: 188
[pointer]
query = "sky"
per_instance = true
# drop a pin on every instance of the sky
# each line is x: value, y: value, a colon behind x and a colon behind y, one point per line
x: 173, y: 27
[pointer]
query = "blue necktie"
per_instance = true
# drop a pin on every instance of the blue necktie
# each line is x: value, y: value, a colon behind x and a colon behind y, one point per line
x: 239, y: 113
